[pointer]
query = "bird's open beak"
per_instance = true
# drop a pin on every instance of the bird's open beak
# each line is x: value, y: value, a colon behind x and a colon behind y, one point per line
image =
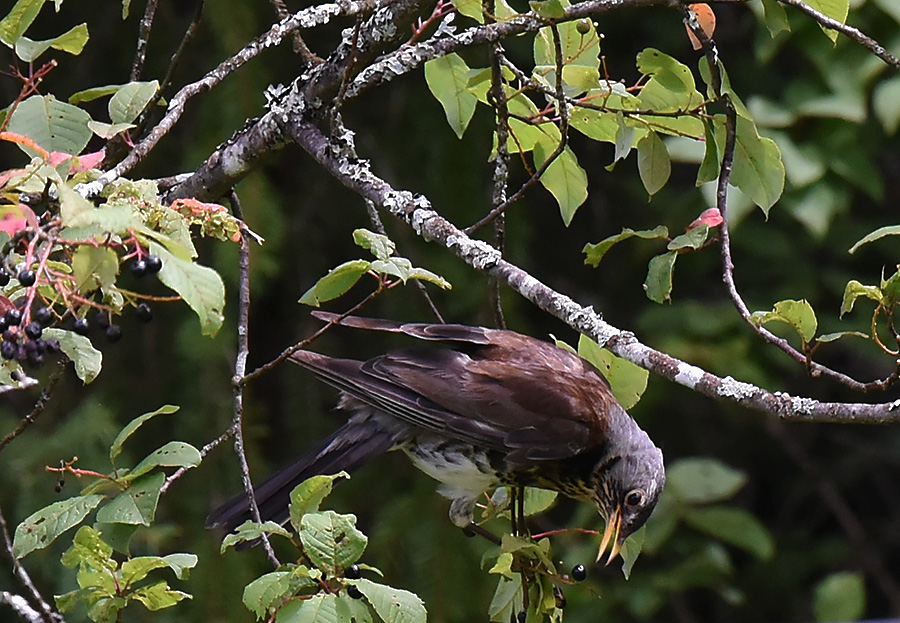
x: 611, y: 536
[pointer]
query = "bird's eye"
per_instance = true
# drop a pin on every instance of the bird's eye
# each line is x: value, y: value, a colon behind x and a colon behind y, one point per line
x: 634, y: 498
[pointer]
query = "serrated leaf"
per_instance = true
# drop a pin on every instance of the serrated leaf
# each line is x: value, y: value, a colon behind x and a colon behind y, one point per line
x: 250, y: 531
x: 564, y: 178
x: 538, y: 500
x: 129, y: 429
x: 399, y: 267
x: 331, y: 541
x: 840, y: 597
x: 308, y: 495
x: 549, y: 9
x: 267, y: 592
x: 158, y: 596
x: 349, y: 609
x: 881, y: 232
x: 379, y: 245
x: 52, y: 124
x: 200, y: 287
x: 447, y: 78
x: 89, y: 550
x: 94, y: 267
x: 628, y: 381
x: 654, y: 164
x: 335, y: 283
x: 136, y: 569
x: 853, y: 291
x: 135, y: 505
x: 703, y: 480
x: 735, y: 526
x: 41, y: 528
x: 86, y: 359
x: 595, y: 252
x: 798, y: 314
x: 426, y: 275
x: 130, y: 100
x: 393, y: 605
x: 758, y: 169
x: 658, y: 283
x: 320, y: 608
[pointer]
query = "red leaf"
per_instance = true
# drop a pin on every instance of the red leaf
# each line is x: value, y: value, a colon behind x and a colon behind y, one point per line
x: 711, y: 218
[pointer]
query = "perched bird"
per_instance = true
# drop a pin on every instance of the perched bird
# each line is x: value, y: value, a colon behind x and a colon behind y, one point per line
x: 499, y: 408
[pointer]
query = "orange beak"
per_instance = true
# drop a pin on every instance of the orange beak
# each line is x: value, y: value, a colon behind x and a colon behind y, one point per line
x: 611, y: 537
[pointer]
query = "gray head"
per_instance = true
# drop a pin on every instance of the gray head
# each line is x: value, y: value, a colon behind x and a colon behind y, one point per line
x: 629, y: 483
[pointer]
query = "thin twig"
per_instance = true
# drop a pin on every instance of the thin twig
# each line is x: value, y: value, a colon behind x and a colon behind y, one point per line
x: 140, y: 55
x: 39, y: 407
x: 240, y: 367
x: 209, y: 447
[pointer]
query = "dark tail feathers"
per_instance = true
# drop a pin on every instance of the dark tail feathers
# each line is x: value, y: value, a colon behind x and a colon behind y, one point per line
x: 350, y: 447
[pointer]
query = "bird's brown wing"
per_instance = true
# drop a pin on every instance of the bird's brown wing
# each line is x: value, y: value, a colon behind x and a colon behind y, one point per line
x: 523, y: 397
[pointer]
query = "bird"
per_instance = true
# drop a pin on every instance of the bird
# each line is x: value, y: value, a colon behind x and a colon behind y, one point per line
x: 490, y: 408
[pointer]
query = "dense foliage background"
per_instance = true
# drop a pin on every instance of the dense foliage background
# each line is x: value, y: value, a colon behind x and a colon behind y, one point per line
x: 826, y: 493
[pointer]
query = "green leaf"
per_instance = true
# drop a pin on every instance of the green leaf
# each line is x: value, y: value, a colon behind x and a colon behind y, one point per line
x: 835, y: 9
x: 393, y: 605
x: 798, y: 314
x: 550, y: 9
x: 758, y: 170
x: 335, y: 283
x: 631, y: 549
x: 308, y: 495
x: 158, y: 596
x: 831, y: 337
x: 775, y: 17
x: 422, y: 274
x: 181, y: 564
x: 331, y: 541
x: 505, y: 602
x: 94, y: 267
x: 703, y: 480
x: 654, y: 164
x: 135, y: 505
x: 538, y: 500
x: 709, y: 166
x: 89, y: 550
x: 564, y: 178
x: 89, y: 95
x: 658, y: 283
x: 40, y: 529
x: 52, y: 124
x: 627, y: 380
x: 379, y: 245
x: 320, y: 608
x: 840, y: 597
x: 471, y: 9
x: 250, y: 531
x: 853, y: 291
x: 354, y: 610
x: 890, y: 230
x: 18, y: 20
x: 267, y: 592
x: 694, y: 238
x: 136, y: 569
x: 129, y: 429
x: 200, y: 287
x: 735, y: 526
x: 72, y: 41
x: 87, y: 359
x: 130, y: 100
x: 172, y: 454
x: 595, y: 252
x: 447, y: 78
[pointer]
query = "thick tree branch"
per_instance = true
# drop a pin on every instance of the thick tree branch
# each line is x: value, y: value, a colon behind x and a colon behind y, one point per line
x: 417, y: 212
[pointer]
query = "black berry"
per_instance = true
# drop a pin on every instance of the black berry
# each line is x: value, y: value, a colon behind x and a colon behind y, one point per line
x: 4, y: 277
x: 9, y: 336
x: 8, y: 350
x: 154, y: 264
x: 44, y: 315
x: 352, y: 572
x: 27, y: 278
x: 3, y: 325
x: 579, y: 573
x: 113, y: 333
x: 13, y: 317
x: 354, y: 592
x: 34, y: 330
x: 522, y: 616
x: 139, y: 268
x: 82, y: 326
x: 144, y: 312
x: 101, y: 319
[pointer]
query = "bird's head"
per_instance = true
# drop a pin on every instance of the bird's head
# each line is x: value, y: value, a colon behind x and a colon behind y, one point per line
x: 627, y: 492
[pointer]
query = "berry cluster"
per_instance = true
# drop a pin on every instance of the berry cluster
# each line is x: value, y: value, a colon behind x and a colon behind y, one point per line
x: 24, y: 342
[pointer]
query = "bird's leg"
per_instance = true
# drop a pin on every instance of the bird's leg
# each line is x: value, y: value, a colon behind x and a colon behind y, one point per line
x: 474, y: 529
